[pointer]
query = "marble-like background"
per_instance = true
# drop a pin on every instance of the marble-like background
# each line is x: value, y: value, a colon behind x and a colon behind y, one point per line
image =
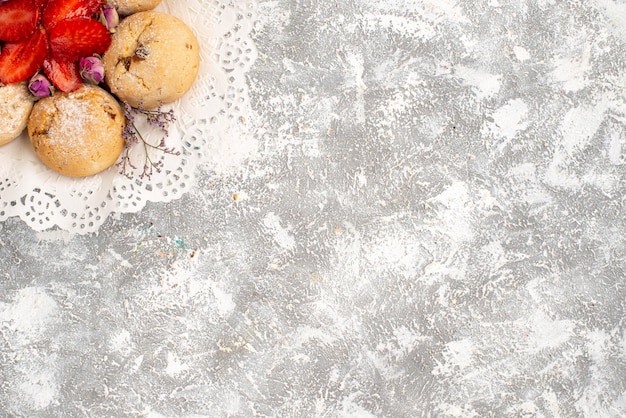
x: 429, y: 222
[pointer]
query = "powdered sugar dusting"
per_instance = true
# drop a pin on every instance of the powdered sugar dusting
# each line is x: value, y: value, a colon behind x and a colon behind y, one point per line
x: 71, y: 122
x: 28, y: 316
x: 25, y: 323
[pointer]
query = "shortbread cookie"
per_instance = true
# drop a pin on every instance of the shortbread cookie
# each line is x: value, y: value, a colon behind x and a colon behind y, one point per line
x: 15, y: 105
x: 153, y: 59
x: 128, y: 7
x: 79, y: 133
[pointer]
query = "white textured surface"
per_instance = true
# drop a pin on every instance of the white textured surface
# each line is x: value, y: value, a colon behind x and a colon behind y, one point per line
x: 426, y: 221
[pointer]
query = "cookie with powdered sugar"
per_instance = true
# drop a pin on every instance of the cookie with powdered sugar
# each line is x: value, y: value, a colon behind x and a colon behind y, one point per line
x: 16, y: 103
x: 79, y: 133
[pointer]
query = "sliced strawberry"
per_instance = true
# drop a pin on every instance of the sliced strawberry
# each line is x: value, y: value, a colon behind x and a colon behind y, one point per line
x: 18, y: 19
x: 65, y: 75
x: 57, y: 10
x: 41, y: 3
x: 20, y: 60
x: 72, y: 39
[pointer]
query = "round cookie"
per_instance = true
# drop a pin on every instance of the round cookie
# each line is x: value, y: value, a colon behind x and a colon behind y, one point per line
x: 79, y: 133
x: 15, y: 105
x: 153, y: 59
x: 128, y: 7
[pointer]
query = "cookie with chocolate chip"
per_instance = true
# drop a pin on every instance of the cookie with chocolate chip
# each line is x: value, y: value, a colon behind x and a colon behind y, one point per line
x: 153, y: 59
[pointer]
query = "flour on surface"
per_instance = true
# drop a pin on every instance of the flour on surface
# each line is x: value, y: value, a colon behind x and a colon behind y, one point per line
x: 29, y: 315
x: 279, y: 233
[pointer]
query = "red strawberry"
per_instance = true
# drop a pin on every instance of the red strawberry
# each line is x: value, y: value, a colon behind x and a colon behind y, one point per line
x: 72, y: 39
x: 65, y: 75
x: 20, y: 60
x: 57, y: 10
x: 18, y: 19
x: 41, y: 3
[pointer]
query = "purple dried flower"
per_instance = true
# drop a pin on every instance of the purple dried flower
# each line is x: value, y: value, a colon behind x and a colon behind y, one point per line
x: 92, y: 69
x: 158, y: 117
x: 109, y: 18
x: 40, y: 86
x: 132, y: 135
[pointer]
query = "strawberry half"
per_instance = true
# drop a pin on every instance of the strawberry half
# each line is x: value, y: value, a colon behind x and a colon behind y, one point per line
x: 72, y: 39
x: 65, y: 75
x: 41, y: 3
x: 20, y: 60
x: 57, y: 10
x: 18, y: 19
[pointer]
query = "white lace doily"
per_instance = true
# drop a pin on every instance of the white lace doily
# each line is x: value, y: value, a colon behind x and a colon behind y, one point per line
x: 216, y: 102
